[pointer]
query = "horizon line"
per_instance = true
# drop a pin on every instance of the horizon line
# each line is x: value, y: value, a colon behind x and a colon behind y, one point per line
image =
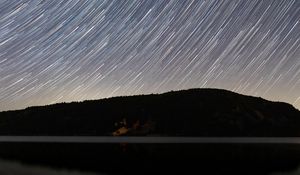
x: 145, y: 94
x: 150, y: 139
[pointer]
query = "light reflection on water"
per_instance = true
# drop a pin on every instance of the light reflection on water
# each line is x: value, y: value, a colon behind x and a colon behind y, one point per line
x: 134, y: 139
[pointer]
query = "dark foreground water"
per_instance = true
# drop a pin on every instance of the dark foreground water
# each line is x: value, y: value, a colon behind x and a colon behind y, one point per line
x: 156, y: 155
x: 18, y: 168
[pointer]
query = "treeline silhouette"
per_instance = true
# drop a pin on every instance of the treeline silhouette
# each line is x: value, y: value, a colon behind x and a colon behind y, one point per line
x: 194, y: 112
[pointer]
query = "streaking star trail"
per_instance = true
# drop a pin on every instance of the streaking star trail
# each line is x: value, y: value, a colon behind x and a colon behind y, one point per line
x: 72, y: 50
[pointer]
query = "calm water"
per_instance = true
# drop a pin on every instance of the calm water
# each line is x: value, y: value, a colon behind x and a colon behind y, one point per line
x: 109, y: 139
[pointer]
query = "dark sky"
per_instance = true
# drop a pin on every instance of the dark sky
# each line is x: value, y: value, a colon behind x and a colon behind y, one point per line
x: 53, y: 50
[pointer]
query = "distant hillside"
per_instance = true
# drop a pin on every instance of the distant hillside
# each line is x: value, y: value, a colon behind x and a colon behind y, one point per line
x: 194, y: 112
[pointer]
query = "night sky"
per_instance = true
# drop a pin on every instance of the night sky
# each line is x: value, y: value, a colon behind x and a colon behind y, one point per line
x: 72, y: 50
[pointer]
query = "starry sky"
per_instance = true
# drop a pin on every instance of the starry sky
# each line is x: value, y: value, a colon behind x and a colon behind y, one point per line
x: 55, y: 51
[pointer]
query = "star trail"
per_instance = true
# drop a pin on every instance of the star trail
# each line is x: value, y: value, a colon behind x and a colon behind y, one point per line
x: 74, y: 50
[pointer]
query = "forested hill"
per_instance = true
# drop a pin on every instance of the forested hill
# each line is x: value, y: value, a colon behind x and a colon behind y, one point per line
x: 194, y: 112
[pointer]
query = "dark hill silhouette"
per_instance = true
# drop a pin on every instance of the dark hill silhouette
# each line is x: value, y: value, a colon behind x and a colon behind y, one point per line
x: 194, y: 112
